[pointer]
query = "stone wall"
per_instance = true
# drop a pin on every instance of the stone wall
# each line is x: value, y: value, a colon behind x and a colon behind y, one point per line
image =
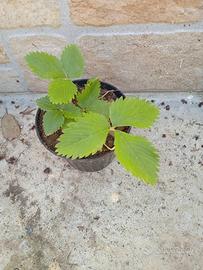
x: 138, y: 45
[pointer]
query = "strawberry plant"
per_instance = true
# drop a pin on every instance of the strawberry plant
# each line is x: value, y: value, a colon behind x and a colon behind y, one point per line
x: 85, y: 119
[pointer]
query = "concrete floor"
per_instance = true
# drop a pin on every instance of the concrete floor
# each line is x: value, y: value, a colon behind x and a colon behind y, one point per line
x: 62, y: 219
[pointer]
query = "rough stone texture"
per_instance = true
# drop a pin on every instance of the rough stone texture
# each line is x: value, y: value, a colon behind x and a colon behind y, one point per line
x: 108, y: 12
x: 104, y: 220
x: 146, y: 62
x: 3, y: 56
x: 29, y: 13
x: 9, y: 81
x: 23, y: 45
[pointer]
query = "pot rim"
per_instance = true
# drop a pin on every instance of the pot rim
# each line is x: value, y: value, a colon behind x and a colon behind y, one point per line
x: 98, y: 155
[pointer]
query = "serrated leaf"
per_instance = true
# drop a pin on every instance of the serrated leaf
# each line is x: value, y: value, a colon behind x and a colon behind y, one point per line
x: 46, y: 66
x: 90, y: 94
x: 52, y: 121
x: 137, y: 155
x: 100, y: 106
x: 70, y: 111
x: 45, y: 104
x: 73, y: 62
x: 84, y: 137
x: 61, y: 91
x: 133, y: 112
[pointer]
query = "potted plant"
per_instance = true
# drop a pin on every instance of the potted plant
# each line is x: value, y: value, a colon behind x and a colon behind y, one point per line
x: 88, y: 121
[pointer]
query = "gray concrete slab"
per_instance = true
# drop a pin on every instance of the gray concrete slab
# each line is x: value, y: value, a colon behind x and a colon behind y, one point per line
x: 104, y: 220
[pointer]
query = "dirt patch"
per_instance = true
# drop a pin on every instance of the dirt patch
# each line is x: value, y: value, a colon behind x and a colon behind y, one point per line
x: 2, y: 156
x: 12, y: 160
x: 13, y: 192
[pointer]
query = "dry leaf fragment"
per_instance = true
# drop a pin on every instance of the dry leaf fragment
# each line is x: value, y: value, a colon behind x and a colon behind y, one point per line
x: 10, y: 127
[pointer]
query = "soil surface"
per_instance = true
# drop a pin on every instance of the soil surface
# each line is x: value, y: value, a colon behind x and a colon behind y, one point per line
x: 52, y: 140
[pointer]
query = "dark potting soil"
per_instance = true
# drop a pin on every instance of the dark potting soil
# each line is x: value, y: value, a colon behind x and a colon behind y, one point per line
x: 52, y: 139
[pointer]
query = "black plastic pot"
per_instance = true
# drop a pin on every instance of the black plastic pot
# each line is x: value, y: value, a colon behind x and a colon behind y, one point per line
x: 95, y: 162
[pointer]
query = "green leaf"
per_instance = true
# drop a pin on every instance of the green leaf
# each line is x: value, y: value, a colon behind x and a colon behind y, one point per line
x: 70, y: 111
x: 46, y: 66
x: 45, y: 104
x: 73, y: 62
x: 133, y: 112
x: 100, y: 106
x: 66, y: 123
x: 61, y: 91
x: 91, y: 92
x: 84, y: 137
x: 138, y: 156
x: 52, y: 121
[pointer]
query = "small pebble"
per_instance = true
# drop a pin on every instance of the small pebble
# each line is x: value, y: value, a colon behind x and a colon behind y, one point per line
x: 200, y: 104
x: 184, y: 101
x: 163, y: 135
x: 162, y: 103
x: 47, y: 170
x: 33, y: 127
x: 115, y: 197
x: 177, y: 134
x: 29, y: 230
x: 167, y: 107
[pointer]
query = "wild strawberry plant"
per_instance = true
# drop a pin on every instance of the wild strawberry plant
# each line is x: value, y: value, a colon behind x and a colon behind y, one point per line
x: 86, y: 119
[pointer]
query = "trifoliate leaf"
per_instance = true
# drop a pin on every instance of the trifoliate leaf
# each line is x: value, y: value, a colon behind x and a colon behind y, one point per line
x: 133, y: 112
x: 45, y: 104
x: 100, y: 106
x: 73, y: 62
x: 61, y: 91
x: 70, y: 111
x: 52, y: 121
x: 91, y: 92
x: 84, y: 137
x: 137, y: 155
x: 46, y: 66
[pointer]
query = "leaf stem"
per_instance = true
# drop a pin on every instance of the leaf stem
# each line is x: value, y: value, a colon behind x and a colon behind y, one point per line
x: 106, y: 94
x: 111, y: 149
x: 112, y: 128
